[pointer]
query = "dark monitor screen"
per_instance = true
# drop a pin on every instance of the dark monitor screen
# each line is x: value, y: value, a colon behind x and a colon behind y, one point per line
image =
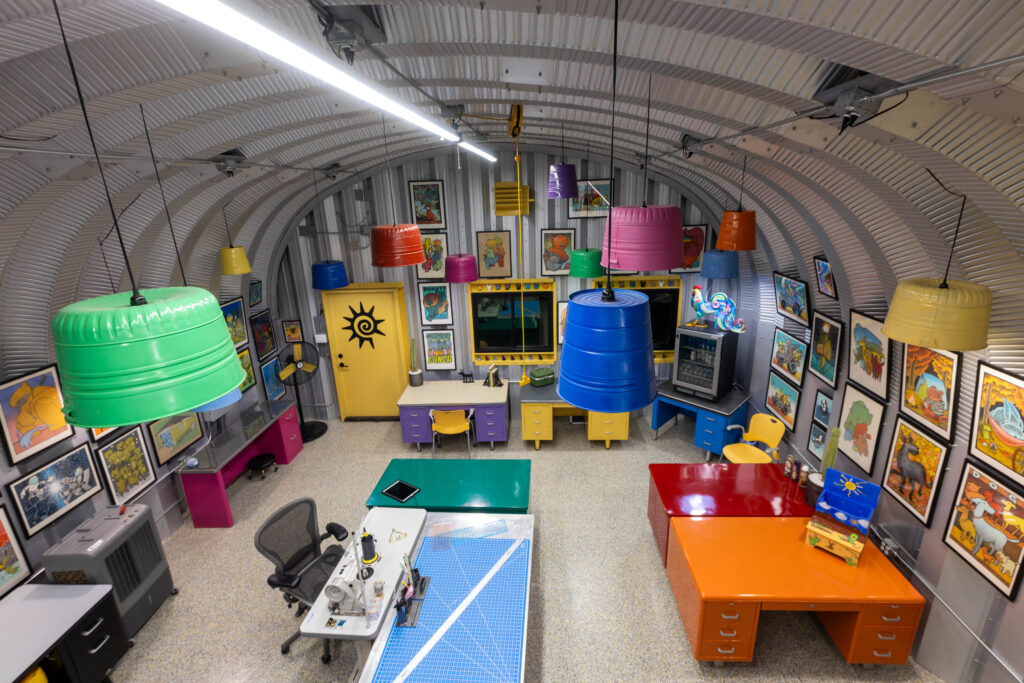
x: 498, y: 324
x: 664, y: 317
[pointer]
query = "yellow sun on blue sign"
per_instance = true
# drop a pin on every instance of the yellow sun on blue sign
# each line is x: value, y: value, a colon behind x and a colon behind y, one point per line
x: 851, y: 486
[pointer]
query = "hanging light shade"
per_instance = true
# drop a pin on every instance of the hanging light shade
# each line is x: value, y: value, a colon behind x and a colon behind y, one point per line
x: 233, y: 261
x: 562, y: 181
x: 720, y: 264
x: 224, y: 401
x: 394, y: 246
x: 738, y: 231
x: 329, y: 275
x: 953, y: 318
x: 460, y: 268
x: 585, y: 263
x: 645, y: 238
x: 122, y: 364
x: 607, y: 362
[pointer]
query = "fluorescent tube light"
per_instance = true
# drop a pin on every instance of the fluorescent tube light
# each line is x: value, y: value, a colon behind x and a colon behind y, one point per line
x: 479, y: 152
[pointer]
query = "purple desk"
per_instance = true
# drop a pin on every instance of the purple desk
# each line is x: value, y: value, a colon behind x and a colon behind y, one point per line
x: 719, y: 490
x: 490, y: 406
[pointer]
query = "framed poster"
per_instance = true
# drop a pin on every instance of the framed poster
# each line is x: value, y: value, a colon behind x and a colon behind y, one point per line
x: 788, y: 356
x: 791, y: 298
x: 13, y: 567
x: 435, y: 250
x: 860, y: 420
x: 826, y: 280
x: 53, y: 490
x: 555, y: 247
x: 250, y: 377
x: 822, y: 408
x: 125, y: 463
x: 782, y: 400
x: 172, y: 435
x: 263, y: 334
x: 592, y: 199
x: 426, y: 198
x: 826, y: 338
x: 439, y: 347
x: 292, y: 331
x: 234, y: 316
x: 694, y: 242
x: 435, y: 303
x: 99, y: 432
x: 32, y: 413
x: 255, y: 292
x: 869, y: 354
x: 997, y: 430
x: 817, y: 440
x: 929, y: 388
x: 494, y: 253
x: 913, y: 472
x: 272, y: 383
x: 563, y: 309
x: 977, y: 529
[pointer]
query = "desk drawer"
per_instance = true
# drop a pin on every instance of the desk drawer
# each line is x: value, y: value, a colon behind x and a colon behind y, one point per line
x: 711, y: 444
x: 423, y: 413
x: 891, y: 615
x: 492, y: 412
x: 729, y: 613
x: 605, y: 426
x: 882, y: 646
x: 741, y: 632
x: 726, y: 650
x: 709, y: 420
x: 417, y: 436
x: 97, y: 642
x: 809, y: 607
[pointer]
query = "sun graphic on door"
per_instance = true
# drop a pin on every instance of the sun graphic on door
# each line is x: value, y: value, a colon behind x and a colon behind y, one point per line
x: 363, y: 325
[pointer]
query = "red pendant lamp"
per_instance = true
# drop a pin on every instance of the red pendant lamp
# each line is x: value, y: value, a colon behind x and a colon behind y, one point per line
x: 395, y: 246
x: 738, y: 231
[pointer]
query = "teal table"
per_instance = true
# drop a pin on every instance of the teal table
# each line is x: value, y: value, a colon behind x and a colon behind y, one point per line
x: 459, y: 485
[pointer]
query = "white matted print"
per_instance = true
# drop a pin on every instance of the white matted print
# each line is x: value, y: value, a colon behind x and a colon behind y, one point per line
x: 869, y: 354
x: 860, y: 424
x: 439, y: 349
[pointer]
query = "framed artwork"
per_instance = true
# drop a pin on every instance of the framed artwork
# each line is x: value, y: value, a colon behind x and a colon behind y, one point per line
x: 172, y: 435
x: 31, y: 406
x: 435, y: 303
x: 125, y: 463
x: 556, y: 245
x: 439, y: 347
x: 563, y: 308
x: 984, y: 527
x: 427, y: 200
x: 13, y: 567
x: 494, y: 253
x: 435, y: 250
x: 782, y: 400
x: 822, y: 408
x: 263, y: 334
x: 826, y: 280
x: 869, y: 354
x: 694, y: 242
x: 929, y: 388
x: 234, y: 316
x: 592, y: 199
x: 914, y: 469
x: 788, y: 356
x: 53, y: 490
x: 99, y: 432
x: 791, y: 298
x: 272, y: 383
x: 860, y: 421
x: 997, y: 430
x: 817, y: 440
x: 826, y: 338
x: 250, y: 376
x: 292, y: 331
x: 255, y: 292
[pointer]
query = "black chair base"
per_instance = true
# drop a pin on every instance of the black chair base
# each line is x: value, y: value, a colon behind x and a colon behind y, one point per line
x: 259, y: 464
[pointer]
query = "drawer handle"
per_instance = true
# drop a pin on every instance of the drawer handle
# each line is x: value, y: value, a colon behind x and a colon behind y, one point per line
x: 732, y: 634
x: 708, y: 431
x: 891, y: 636
x: 888, y: 653
x: 491, y: 423
x: 891, y: 619
x: 608, y: 432
x: 291, y: 438
x: 726, y: 652
x: 731, y: 617
x: 92, y: 628
x: 100, y: 646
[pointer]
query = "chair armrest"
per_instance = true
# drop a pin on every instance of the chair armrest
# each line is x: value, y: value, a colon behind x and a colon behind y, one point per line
x: 339, y: 532
x: 471, y: 411
x: 283, y: 581
x: 773, y: 454
x: 431, y: 415
x: 735, y: 427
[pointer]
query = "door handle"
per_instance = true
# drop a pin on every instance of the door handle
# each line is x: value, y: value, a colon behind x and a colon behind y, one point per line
x: 342, y: 365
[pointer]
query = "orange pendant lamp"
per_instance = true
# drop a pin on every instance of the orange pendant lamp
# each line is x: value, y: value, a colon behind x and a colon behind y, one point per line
x: 395, y: 246
x: 738, y: 231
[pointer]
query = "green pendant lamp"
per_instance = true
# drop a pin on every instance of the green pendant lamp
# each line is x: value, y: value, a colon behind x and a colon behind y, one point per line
x: 585, y: 263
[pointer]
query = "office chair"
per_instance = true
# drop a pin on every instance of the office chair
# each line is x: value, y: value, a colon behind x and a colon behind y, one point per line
x: 450, y: 422
x: 763, y: 428
x: 290, y: 540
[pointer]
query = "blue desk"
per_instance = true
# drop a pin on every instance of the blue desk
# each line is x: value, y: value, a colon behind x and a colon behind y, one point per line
x: 713, y: 417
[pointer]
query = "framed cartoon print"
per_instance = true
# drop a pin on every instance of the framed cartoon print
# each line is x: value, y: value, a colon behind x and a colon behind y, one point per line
x: 50, y: 492
x: 929, y: 388
x: 234, y: 316
x: 494, y: 253
x: 997, y: 428
x: 33, y: 418
x: 826, y: 280
x: 868, y: 355
x: 263, y: 334
x: 125, y: 462
x: 435, y: 303
x: 555, y: 248
x: 439, y: 349
x: 791, y: 298
x: 782, y: 400
x: 788, y: 356
x: 435, y: 251
x: 427, y: 200
x: 860, y: 422
x: 913, y: 472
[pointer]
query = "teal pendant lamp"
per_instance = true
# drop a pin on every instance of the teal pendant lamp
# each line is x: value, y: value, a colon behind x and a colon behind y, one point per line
x: 607, y: 360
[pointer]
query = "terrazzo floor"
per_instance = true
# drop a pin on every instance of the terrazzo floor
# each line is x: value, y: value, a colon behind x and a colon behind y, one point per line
x: 600, y: 604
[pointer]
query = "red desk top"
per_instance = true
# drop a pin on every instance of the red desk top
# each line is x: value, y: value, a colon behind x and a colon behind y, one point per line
x: 728, y: 490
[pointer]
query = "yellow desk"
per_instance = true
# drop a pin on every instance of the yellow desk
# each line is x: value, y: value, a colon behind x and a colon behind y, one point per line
x: 539, y: 406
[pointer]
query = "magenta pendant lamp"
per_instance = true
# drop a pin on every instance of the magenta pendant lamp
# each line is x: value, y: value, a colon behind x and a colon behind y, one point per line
x: 645, y: 238
x: 460, y: 268
x: 562, y: 181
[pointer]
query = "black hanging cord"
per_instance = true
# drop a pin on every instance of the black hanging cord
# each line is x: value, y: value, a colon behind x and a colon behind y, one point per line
x: 963, y: 203
x: 387, y: 155
x: 163, y: 197
x: 103, y: 253
x: 563, y: 143
x: 224, y: 215
x: 647, y: 138
x: 743, y: 178
x: 609, y: 293
x: 137, y: 298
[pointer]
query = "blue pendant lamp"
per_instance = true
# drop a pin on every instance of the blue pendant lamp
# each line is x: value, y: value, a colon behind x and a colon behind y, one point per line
x: 607, y: 362
x: 330, y: 275
x: 720, y: 264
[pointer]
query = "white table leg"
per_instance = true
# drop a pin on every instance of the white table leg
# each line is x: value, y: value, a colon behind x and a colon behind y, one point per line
x: 363, y: 648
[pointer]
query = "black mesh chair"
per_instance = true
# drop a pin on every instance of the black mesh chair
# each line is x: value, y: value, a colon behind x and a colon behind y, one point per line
x: 291, y: 541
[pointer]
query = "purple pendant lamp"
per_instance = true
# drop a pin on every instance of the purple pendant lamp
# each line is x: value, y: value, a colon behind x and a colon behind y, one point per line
x: 460, y: 268
x: 562, y: 177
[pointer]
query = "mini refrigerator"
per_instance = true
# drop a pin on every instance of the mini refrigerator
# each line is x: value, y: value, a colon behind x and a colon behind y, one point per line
x: 705, y: 360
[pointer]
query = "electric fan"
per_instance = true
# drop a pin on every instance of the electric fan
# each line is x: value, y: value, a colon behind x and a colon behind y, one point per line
x: 298, y: 366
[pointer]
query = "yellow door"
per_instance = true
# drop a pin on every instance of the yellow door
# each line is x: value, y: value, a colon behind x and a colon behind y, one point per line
x: 369, y: 340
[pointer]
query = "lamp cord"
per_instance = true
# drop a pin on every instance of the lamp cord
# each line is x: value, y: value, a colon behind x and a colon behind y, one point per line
x: 137, y: 298
x: 743, y: 178
x: 224, y: 215
x: 609, y: 293
x: 391, y: 187
x: 163, y: 197
x: 522, y: 287
x: 956, y: 233
x: 647, y: 137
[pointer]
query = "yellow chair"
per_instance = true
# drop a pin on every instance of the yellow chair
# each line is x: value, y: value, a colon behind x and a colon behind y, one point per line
x: 450, y: 422
x: 764, y: 429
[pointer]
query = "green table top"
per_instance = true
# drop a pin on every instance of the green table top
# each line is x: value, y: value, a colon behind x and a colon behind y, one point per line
x: 459, y: 485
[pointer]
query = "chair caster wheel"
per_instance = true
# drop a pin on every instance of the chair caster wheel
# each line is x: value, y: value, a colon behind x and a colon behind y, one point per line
x: 326, y: 659
x: 131, y: 643
x: 285, y: 649
x: 249, y: 476
x: 174, y: 591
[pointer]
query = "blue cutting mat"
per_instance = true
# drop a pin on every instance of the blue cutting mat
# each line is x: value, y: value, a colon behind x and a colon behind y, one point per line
x: 485, y: 643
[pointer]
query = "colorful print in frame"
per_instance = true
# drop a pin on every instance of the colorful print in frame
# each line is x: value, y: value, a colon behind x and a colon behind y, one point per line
x: 172, y: 435
x: 860, y: 422
x: 427, y: 200
x: 913, y: 472
x: 782, y: 400
x: 250, y: 376
x: 817, y: 440
x: 439, y: 349
x: 255, y: 292
x: 435, y: 304
x: 822, y: 409
x: 555, y: 247
x: 13, y: 567
x: 826, y: 338
x: 592, y: 199
x: 997, y: 428
x: 33, y: 418
x: 494, y: 253
x: 788, y: 356
x: 292, y: 331
x: 125, y: 462
x: 791, y: 298
x: 694, y: 241
x: 263, y: 334
x: 826, y: 280
x: 984, y: 527
x: 435, y: 251
x: 234, y: 316
x: 929, y: 388
x: 272, y: 384
x: 52, y: 491
x: 100, y: 432
x: 869, y: 354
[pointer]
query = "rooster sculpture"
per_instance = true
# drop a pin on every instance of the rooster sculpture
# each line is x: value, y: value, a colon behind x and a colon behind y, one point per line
x: 720, y: 306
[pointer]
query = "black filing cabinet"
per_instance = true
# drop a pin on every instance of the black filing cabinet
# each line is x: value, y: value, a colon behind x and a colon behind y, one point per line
x: 95, y: 643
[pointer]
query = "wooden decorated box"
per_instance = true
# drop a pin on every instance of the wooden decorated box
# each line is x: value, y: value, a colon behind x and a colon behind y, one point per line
x: 838, y: 539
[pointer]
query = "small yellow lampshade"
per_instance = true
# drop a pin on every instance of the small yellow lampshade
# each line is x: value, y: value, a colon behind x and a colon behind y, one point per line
x: 953, y: 318
x: 233, y: 261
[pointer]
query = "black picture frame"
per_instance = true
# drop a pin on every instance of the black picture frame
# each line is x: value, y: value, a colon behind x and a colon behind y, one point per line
x: 785, y: 367
x: 18, y: 394
x: 263, y: 321
x: 880, y: 406
x: 854, y: 371
x: 936, y: 483
x: 830, y: 276
x: 837, y: 352
x: 804, y: 306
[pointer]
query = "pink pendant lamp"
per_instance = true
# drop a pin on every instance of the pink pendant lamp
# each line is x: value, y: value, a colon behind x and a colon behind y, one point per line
x: 460, y: 268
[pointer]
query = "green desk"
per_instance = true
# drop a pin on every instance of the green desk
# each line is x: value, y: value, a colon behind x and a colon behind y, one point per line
x: 460, y: 485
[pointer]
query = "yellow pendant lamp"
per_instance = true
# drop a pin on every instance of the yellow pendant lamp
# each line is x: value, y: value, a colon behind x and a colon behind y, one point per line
x: 233, y: 260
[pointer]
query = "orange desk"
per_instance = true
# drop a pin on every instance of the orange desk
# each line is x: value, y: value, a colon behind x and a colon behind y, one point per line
x: 725, y: 571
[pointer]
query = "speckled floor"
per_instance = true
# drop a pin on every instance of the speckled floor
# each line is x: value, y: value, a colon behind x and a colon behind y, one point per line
x: 600, y: 606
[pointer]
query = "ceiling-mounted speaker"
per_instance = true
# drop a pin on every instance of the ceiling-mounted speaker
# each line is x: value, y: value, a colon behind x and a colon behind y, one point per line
x: 510, y: 197
x: 515, y: 121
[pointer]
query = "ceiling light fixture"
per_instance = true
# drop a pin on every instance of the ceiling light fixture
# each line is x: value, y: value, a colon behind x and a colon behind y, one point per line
x: 738, y: 231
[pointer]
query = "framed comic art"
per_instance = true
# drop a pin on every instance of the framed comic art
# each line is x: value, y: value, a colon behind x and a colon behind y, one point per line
x: 822, y: 408
x: 234, y: 316
x: 913, y: 472
x: 33, y: 418
x: 868, y: 355
x: 14, y: 568
x: 930, y: 387
x: 245, y: 358
x: 860, y: 422
x: 272, y: 384
x: 694, y: 243
x: 555, y: 247
x: 435, y: 303
x: 997, y: 429
x: 50, y: 492
x: 494, y: 253
x: 263, y: 334
x: 826, y: 280
x: 172, y: 435
x: 439, y: 349
x: 255, y: 292
x: 826, y: 338
x: 782, y: 399
x: 435, y: 251
x: 789, y: 355
x: 292, y: 331
x: 791, y: 298
x: 125, y: 463
x: 426, y: 198
x: 592, y: 199
x: 817, y: 440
